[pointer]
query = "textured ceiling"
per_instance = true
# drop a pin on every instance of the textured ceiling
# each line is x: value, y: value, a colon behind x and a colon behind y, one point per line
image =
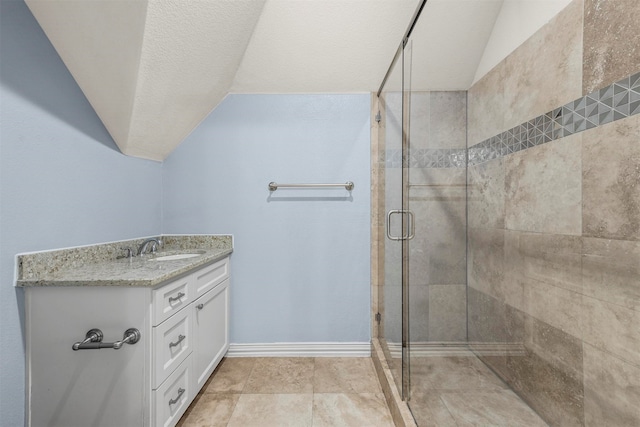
x: 153, y: 69
x: 446, y: 57
x: 323, y: 46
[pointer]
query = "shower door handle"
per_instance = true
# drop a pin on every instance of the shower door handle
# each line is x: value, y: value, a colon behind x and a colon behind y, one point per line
x: 410, y: 232
x: 391, y: 212
x: 411, y: 225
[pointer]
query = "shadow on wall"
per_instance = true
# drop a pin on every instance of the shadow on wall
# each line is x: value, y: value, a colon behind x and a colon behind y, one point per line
x: 31, y: 68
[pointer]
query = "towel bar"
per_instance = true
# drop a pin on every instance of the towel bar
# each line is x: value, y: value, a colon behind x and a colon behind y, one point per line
x: 274, y: 186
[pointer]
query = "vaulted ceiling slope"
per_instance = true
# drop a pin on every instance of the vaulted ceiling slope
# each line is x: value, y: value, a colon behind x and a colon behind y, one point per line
x: 154, y: 69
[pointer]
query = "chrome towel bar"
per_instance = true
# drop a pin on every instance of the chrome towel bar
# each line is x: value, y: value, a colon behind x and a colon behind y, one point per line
x: 274, y: 186
x: 93, y: 340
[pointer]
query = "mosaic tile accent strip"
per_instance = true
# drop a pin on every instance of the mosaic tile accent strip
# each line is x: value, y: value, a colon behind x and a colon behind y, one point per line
x: 611, y: 103
x: 427, y: 158
x: 614, y: 102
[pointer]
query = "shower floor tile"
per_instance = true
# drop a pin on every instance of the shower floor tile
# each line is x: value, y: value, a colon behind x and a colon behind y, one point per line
x: 490, y: 408
x: 452, y: 373
x: 462, y: 391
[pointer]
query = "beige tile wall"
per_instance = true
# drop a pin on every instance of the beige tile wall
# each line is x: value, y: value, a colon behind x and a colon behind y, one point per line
x: 610, y: 179
x: 611, y: 42
x: 545, y: 72
x: 554, y: 230
x: 554, y: 238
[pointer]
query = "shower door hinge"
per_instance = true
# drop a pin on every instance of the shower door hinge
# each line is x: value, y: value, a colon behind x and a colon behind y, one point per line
x: 378, y: 117
x: 378, y: 318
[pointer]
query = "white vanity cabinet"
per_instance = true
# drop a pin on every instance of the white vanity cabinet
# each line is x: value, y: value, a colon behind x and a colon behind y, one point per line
x: 190, y: 337
x: 211, y: 332
x: 184, y: 333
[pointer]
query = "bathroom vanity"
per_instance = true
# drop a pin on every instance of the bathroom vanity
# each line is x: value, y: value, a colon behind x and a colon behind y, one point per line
x: 132, y: 344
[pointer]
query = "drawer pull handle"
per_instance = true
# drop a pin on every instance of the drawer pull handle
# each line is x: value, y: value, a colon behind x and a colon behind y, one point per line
x: 180, y: 339
x: 180, y: 393
x: 177, y: 297
x: 200, y: 306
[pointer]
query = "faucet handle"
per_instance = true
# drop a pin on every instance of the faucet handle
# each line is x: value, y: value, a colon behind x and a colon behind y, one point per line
x: 129, y: 253
x: 155, y: 245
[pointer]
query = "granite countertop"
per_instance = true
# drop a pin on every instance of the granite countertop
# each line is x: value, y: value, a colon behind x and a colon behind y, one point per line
x: 99, y: 265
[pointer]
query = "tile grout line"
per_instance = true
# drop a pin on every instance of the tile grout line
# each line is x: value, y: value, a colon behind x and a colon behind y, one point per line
x: 313, y: 389
x: 447, y: 408
x: 241, y: 393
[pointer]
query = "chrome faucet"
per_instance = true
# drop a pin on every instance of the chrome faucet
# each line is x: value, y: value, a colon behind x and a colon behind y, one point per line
x: 155, y: 245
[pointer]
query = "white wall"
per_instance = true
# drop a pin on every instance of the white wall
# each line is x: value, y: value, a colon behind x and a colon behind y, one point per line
x: 62, y: 180
x: 517, y: 21
x: 300, y: 267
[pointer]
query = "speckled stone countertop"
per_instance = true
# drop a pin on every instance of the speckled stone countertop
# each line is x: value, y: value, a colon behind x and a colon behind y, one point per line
x: 103, y: 265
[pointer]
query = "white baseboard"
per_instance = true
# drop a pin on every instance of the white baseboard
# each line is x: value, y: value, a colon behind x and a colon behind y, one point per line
x: 430, y: 349
x: 461, y: 349
x: 301, y: 349
x: 498, y: 349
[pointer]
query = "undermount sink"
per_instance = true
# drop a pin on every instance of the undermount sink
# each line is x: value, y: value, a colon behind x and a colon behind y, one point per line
x: 178, y: 256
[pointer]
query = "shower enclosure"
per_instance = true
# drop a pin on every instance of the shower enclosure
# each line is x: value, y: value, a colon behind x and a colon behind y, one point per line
x: 508, y: 293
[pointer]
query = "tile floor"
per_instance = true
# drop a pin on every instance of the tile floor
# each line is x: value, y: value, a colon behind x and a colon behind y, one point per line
x: 300, y: 391
x: 462, y: 391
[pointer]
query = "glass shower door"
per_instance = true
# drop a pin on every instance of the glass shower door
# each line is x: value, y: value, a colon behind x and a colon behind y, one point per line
x: 398, y: 221
x: 424, y: 282
x: 390, y: 146
x: 434, y: 188
x: 408, y: 219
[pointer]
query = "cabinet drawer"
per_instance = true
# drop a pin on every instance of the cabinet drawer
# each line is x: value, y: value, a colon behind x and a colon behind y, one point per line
x: 172, y: 399
x: 207, y: 278
x: 172, y: 343
x: 169, y: 299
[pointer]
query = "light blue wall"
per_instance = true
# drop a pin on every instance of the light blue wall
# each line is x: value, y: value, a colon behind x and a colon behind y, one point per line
x: 301, y: 263
x: 62, y: 180
x: 300, y: 268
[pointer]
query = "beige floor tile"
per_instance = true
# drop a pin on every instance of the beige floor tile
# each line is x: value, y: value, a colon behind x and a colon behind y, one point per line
x: 273, y: 410
x: 230, y: 376
x: 430, y: 411
x: 345, y: 375
x: 210, y: 410
x: 490, y: 408
x: 281, y: 375
x: 350, y: 410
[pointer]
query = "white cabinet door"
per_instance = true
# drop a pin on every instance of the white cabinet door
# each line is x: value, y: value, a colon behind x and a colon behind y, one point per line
x: 211, y: 329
